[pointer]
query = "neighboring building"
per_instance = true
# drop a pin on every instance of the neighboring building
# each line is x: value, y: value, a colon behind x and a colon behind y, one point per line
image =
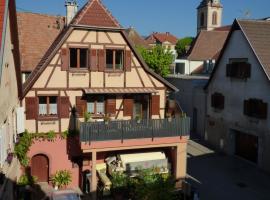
x: 92, y: 67
x: 36, y: 34
x: 238, y: 120
x: 209, y: 41
x: 209, y: 15
x: 135, y: 37
x: 192, y: 99
x: 10, y: 89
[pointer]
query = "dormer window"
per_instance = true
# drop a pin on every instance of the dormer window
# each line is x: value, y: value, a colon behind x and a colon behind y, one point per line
x: 78, y: 58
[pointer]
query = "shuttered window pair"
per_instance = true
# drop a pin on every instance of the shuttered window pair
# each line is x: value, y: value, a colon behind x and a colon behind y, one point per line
x: 96, y: 105
x: 47, y: 106
x: 256, y: 108
x: 95, y: 59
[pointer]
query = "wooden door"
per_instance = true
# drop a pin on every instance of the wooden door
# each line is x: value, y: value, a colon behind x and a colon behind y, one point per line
x: 40, y: 167
x: 246, y: 146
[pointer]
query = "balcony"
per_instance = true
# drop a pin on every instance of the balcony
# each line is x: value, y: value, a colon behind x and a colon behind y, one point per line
x: 132, y: 129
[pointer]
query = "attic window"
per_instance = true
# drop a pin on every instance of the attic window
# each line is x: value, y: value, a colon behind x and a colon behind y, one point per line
x: 255, y: 108
x: 217, y: 101
x: 78, y: 57
x: 238, y: 68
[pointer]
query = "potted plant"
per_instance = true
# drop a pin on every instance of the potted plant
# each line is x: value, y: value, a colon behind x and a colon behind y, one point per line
x: 87, y: 116
x: 107, y: 119
x: 62, y: 178
x: 138, y: 119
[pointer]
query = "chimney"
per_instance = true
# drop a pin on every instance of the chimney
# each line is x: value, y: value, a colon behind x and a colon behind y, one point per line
x: 71, y: 10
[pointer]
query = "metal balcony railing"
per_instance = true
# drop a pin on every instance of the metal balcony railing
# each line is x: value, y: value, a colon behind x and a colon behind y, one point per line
x: 132, y: 129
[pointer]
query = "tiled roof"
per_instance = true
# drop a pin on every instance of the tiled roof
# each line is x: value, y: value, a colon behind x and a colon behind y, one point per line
x: 258, y: 35
x: 95, y: 14
x: 207, y: 45
x: 36, y: 34
x: 134, y: 36
x: 162, y: 37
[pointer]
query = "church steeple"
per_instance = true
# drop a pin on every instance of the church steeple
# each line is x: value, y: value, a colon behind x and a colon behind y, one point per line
x: 209, y: 15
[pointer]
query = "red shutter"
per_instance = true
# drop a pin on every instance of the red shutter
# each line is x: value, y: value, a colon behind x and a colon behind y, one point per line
x: 155, y: 105
x: 128, y: 61
x: 128, y: 107
x: 93, y: 60
x: 101, y: 60
x: 111, y: 106
x: 31, y: 107
x: 64, y: 59
x: 64, y: 107
x: 81, y: 106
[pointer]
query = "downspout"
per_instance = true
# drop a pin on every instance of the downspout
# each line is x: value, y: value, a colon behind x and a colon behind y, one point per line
x: 3, y: 38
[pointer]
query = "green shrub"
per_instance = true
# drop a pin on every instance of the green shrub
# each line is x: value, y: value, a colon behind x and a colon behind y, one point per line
x: 61, y: 178
x: 51, y: 135
x: 27, y: 180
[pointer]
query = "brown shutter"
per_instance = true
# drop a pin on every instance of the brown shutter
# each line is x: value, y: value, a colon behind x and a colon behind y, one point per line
x: 64, y: 107
x: 64, y: 59
x: 93, y: 60
x: 31, y: 107
x: 128, y: 61
x: 155, y: 105
x: 263, y: 110
x: 101, y: 60
x: 81, y: 106
x: 111, y: 106
x: 128, y: 107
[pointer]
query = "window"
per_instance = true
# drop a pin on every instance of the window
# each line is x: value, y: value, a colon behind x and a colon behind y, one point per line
x: 114, y: 59
x: 202, y: 19
x: 78, y: 58
x: 96, y: 105
x: 217, y: 101
x: 214, y: 18
x: 255, y: 108
x: 238, y: 68
x: 47, y: 106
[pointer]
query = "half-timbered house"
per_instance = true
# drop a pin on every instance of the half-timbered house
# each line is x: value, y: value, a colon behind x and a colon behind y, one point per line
x: 92, y: 70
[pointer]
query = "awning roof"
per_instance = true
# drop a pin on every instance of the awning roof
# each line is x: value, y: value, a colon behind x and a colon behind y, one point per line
x: 120, y: 90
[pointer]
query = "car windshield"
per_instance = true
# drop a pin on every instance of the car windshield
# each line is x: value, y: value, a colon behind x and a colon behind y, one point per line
x: 66, y: 197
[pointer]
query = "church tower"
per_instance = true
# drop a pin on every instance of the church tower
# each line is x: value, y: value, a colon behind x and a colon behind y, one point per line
x: 209, y: 15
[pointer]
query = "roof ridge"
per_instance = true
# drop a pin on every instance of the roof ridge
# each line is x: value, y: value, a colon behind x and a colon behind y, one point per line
x: 43, y: 14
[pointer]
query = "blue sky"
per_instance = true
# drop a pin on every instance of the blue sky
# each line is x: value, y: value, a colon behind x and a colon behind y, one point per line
x: 175, y: 16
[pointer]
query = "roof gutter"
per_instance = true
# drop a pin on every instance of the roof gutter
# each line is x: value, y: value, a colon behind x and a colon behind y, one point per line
x: 3, y: 38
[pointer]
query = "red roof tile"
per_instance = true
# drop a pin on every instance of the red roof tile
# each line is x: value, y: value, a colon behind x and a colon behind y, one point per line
x: 36, y: 34
x: 94, y: 13
x: 161, y: 37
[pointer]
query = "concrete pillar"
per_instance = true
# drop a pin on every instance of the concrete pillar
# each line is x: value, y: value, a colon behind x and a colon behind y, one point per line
x: 94, y: 176
x: 181, y: 161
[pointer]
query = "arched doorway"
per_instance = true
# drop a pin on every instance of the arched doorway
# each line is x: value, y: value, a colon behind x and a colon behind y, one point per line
x: 40, y: 167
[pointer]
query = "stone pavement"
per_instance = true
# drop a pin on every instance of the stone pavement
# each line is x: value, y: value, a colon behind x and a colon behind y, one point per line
x: 220, y: 177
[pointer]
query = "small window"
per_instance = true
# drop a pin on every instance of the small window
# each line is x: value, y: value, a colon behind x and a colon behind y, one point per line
x: 256, y: 108
x: 47, y: 106
x: 78, y: 58
x: 217, y: 101
x: 96, y: 105
x: 114, y: 59
x: 214, y: 18
x: 238, y: 68
x: 202, y: 19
